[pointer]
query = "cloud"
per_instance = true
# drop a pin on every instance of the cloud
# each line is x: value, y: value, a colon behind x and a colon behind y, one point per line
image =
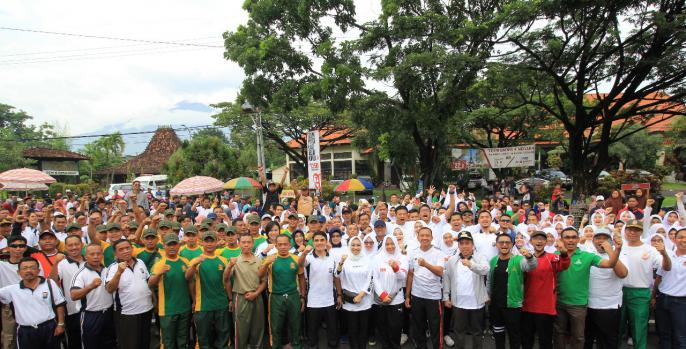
x: 194, y: 106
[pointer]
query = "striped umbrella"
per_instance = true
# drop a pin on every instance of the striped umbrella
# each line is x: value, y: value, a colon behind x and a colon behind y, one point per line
x: 242, y: 183
x: 26, y: 175
x: 354, y: 185
x: 197, y: 185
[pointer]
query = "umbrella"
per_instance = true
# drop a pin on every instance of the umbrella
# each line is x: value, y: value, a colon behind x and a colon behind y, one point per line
x: 242, y: 183
x: 354, y: 185
x: 14, y: 186
x: 26, y: 175
x: 197, y: 185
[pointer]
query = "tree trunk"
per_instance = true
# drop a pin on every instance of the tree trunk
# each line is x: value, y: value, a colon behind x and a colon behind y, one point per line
x: 431, y: 167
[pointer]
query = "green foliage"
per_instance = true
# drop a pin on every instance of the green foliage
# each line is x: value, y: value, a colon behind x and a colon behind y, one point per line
x: 105, y: 152
x: 78, y: 189
x: 555, y: 157
x: 639, y: 150
x: 203, y: 156
x: 17, y: 134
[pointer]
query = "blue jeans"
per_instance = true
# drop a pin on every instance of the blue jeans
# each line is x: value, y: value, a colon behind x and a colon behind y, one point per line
x: 670, y: 317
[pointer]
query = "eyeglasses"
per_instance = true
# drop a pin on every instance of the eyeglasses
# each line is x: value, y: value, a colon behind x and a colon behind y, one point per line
x: 17, y: 246
x: 369, y: 242
x: 504, y: 221
x: 504, y: 242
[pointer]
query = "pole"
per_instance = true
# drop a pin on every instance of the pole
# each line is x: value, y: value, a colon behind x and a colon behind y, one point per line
x: 260, y: 141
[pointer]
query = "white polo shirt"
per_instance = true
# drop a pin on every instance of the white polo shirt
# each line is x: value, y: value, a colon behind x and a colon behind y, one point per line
x: 133, y: 295
x: 66, y: 270
x: 426, y: 284
x: 640, y: 261
x: 31, y: 235
x: 674, y: 281
x: 9, y: 275
x: 97, y: 299
x: 32, y: 307
x: 485, y: 244
x: 604, y: 288
x: 320, y: 280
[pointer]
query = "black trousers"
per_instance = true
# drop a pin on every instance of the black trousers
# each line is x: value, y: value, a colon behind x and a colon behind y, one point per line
x: 97, y: 329
x: 508, y: 320
x: 357, y: 323
x: 602, y: 326
x: 537, y: 324
x: 73, y: 331
x: 133, y: 331
x: 389, y: 323
x: 468, y: 321
x: 426, y: 313
x: 315, y: 317
x: 39, y: 337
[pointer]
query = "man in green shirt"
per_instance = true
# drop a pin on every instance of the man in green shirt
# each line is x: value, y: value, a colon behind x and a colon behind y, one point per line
x: 173, y: 295
x: 572, y: 289
x: 286, y: 293
x: 150, y: 252
x: 231, y: 249
x: 254, y: 229
x: 211, y: 304
x: 245, y: 288
x: 191, y: 250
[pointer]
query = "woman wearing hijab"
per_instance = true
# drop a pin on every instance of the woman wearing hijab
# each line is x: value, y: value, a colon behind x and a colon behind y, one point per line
x: 389, y: 275
x: 299, y: 242
x: 336, y: 242
x: 355, y: 273
x: 616, y: 201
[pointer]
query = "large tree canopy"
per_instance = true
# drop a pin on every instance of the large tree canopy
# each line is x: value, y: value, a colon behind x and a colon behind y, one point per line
x: 105, y: 152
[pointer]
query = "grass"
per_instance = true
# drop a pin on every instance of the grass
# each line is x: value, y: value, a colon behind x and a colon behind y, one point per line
x: 673, y: 186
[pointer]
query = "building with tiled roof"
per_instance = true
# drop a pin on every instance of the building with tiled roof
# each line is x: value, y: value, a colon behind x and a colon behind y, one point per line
x: 61, y: 164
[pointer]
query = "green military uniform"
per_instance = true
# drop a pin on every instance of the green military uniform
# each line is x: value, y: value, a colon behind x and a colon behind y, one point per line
x: 284, y: 300
x: 190, y: 253
x: 257, y: 241
x: 229, y: 253
x: 248, y: 316
x: 212, y: 303
x: 174, y: 302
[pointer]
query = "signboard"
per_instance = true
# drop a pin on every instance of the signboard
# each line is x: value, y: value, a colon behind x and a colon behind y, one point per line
x: 462, y: 159
x: 456, y: 164
x: 60, y: 168
x: 314, y: 166
x: 634, y: 186
x: 522, y: 156
x: 288, y: 193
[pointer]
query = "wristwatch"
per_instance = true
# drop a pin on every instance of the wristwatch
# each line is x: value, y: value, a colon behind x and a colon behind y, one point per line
x: 61, y: 324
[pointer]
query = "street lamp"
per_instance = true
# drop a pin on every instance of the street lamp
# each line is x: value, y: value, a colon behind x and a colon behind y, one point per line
x: 246, y: 107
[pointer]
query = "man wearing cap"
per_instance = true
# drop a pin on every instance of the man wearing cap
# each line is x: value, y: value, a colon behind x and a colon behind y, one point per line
x: 114, y: 233
x: 5, y: 231
x: 211, y: 303
x: 641, y: 259
x: 174, y: 300
x: 245, y: 287
x: 254, y: 229
x: 191, y: 249
x: 221, y: 229
x: 150, y: 252
x: 47, y: 256
x: 292, y: 225
x: 604, y: 296
x: 63, y: 273
x: 127, y: 279
x: 231, y: 249
x: 464, y: 290
x: 96, y: 319
x: 506, y: 282
x: 380, y: 232
x: 271, y: 190
x: 599, y: 205
x: 9, y: 275
x: 573, y: 287
x: 538, y: 309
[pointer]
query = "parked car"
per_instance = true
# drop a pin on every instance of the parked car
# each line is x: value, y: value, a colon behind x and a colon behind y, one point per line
x: 118, y: 189
x: 533, y: 182
x: 553, y: 174
x: 476, y: 180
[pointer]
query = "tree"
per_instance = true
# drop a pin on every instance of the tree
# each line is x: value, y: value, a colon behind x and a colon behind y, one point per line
x: 640, y: 150
x: 203, y: 156
x: 17, y: 134
x: 104, y: 152
x: 403, y: 74
x: 278, y: 127
x: 602, y: 66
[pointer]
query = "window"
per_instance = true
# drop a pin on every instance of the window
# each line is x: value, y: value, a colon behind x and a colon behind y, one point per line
x: 362, y: 168
x: 342, y: 169
x: 343, y: 155
x: 325, y: 156
x: 296, y: 171
x: 326, y: 169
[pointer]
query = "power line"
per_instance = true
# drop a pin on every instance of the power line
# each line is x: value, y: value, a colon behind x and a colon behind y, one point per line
x: 107, y: 37
x: 107, y: 134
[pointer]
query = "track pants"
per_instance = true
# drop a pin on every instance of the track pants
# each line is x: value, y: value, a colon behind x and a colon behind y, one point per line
x: 389, y: 323
x: 133, y: 331
x: 426, y: 313
x: 39, y: 337
x: 73, y: 331
x: 357, y: 322
x: 602, y: 327
x: 284, y: 310
x: 537, y: 324
x: 315, y: 317
x: 97, y: 329
x: 248, y: 320
x: 506, y: 320
x: 636, y: 309
x: 468, y: 321
x: 174, y: 330
x: 573, y: 317
x: 213, y: 328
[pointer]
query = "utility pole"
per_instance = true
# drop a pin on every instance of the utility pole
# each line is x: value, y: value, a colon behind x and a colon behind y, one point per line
x: 256, y: 116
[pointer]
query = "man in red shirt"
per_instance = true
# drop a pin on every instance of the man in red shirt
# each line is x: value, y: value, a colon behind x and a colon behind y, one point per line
x: 538, y: 310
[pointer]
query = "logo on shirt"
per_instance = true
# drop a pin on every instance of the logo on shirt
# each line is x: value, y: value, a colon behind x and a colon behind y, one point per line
x: 292, y: 265
x: 578, y: 262
x: 220, y: 267
x: 45, y: 295
x: 645, y: 256
x: 183, y: 267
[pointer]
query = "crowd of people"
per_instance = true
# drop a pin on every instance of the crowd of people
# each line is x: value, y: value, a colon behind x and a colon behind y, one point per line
x: 438, y: 269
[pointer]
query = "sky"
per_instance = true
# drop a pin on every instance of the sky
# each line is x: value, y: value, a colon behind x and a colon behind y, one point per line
x: 85, y: 86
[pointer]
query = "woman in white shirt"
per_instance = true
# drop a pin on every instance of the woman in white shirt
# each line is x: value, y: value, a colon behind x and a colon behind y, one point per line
x: 389, y: 275
x: 355, y: 273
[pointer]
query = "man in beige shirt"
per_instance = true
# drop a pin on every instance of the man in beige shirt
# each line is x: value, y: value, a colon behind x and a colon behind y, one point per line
x: 244, y: 287
x: 304, y: 200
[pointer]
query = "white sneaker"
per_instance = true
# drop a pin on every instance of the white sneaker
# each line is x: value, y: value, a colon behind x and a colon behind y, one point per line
x: 403, y: 339
x: 448, y: 341
x: 630, y: 342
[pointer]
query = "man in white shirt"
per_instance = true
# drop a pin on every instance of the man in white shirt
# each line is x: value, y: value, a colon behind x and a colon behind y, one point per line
x: 484, y: 235
x: 9, y: 275
x: 63, y: 273
x: 464, y: 290
x: 35, y: 298
x: 128, y: 281
x: 670, y: 314
x: 641, y: 259
x: 423, y: 290
x: 97, y: 321
x: 604, y: 297
x: 320, y: 301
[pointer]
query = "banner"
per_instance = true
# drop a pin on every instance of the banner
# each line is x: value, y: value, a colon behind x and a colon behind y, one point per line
x: 314, y: 167
x: 523, y: 156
